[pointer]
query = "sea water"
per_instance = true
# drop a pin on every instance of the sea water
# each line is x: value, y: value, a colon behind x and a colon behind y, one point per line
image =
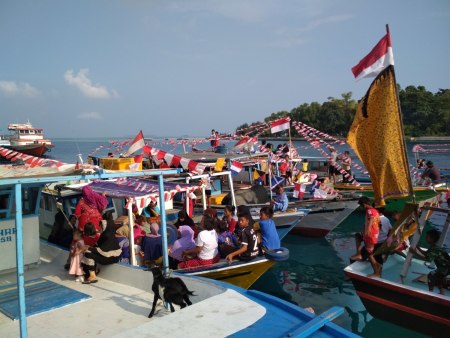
x: 313, y: 276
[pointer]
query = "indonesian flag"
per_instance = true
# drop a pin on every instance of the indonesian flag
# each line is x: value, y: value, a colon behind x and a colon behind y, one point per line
x: 378, y: 59
x: 236, y: 167
x: 138, y: 143
x: 241, y: 143
x: 280, y: 125
x: 299, y: 190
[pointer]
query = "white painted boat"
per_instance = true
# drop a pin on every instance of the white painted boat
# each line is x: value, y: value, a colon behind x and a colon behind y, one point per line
x: 117, y: 306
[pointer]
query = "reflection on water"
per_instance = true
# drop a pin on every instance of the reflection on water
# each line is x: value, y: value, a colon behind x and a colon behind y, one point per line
x: 314, y: 277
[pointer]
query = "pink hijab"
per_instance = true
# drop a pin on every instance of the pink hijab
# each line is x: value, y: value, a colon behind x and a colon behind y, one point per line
x: 154, y: 230
x: 186, y: 242
x: 93, y: 199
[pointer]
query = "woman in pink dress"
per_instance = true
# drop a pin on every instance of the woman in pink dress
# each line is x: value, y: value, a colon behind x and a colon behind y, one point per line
x: 76, y: 253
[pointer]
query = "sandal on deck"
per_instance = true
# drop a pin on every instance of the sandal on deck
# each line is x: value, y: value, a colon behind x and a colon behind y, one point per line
x: 90, y: 281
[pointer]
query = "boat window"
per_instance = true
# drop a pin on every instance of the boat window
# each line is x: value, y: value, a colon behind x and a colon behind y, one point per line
x: 46, y: 203
x: 31, y: 131
x: 30, y: 200
x: 5, y: 201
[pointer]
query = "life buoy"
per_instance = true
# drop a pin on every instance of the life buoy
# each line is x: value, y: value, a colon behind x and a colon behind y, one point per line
x: 278, y: 255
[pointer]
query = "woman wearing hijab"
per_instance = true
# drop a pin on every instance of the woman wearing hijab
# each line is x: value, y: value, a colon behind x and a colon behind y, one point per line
x: 90, y: 208
x: 184, y: 219
x: 152, y: 245
x: 184, y: 242
x: 206, y: 250
x: 106, y: 251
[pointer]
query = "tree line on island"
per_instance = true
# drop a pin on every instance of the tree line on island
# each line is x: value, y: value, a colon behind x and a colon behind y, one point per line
x: 424, y: 113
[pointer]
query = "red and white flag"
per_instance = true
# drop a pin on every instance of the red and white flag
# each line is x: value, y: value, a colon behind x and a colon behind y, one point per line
x: 378, y: 59
x: 280, y: 125
x: 241, y: 143
x: 299, y: 190
x: 138, y: 143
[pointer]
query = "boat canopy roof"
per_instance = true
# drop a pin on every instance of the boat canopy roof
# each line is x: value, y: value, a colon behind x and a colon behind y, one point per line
x: 136, y: 188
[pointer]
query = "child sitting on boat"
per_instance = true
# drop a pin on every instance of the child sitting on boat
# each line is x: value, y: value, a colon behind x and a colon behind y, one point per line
x: 369, y: 236
x: 280, y: 203
x: 440, y: 257
x: 226, y: 240
x: 269, y: 236
x: 249, y: 243
x: 228, y: 217
x: 206, y: 251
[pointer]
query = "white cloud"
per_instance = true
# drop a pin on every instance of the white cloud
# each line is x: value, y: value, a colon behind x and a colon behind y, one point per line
x: 93, y: 115
x: 84, y: 84
x: 17, y: 88
x: 326, y: 21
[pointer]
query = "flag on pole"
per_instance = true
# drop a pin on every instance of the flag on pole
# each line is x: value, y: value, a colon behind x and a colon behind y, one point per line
x: 299, y: 190
x: 258, y: 176
x: 376, y: 61
x: 280, y: 125
x: 275, y: 181
x: 236, y: 167
x: 138, y: 143
x: 376, y: 135
x: 219, y: 164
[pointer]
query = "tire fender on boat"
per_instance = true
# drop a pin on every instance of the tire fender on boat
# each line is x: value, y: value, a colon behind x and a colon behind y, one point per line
x: 278, y: 255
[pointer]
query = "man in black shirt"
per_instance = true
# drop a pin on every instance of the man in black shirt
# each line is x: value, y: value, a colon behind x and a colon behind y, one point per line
x: 249, y: 244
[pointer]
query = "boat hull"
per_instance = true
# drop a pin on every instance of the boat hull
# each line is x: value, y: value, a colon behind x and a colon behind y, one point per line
x: 423, y: 312
x: 243, y: 276
x: 37, y: 150
x: 324, y: 218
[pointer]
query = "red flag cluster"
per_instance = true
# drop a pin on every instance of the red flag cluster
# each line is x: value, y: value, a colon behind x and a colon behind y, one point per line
x: 31, y: 161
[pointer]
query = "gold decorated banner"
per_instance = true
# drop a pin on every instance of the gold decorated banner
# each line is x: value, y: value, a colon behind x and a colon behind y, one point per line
x: 219, y: 164
x: 377, y: 138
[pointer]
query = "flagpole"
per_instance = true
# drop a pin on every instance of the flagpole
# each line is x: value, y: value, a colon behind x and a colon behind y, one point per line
x: 416, y: 236
x: 405, y: 153
x: 290, y: 142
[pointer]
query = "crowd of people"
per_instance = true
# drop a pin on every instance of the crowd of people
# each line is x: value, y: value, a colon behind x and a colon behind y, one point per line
x: 95, y: 239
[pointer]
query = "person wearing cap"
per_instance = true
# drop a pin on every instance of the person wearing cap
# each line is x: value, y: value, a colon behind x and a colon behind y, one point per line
x: 431, y: 172
x: 369, y: 236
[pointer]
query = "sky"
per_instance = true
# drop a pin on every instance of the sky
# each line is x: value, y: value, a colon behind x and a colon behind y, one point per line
x: 109, y: 68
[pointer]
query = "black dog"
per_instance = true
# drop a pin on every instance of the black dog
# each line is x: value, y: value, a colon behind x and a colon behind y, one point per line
x: 169, y: 290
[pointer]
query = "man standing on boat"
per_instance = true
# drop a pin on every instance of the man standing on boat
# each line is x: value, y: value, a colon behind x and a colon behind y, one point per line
x: 432, y: 173
x: 332, y: 164
x: 346, y: 161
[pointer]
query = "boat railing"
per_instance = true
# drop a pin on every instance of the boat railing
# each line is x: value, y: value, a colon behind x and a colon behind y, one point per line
x: 426, y: 213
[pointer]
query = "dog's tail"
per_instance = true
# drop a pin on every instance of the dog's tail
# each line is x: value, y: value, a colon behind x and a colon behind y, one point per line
x: 190, y: 293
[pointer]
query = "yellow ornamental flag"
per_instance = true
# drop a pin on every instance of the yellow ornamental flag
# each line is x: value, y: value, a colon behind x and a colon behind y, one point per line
x: 219, y: 164
x: 377, y: 137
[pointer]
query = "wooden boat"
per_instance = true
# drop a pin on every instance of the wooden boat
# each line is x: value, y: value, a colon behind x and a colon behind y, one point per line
x: 403, y: 301
x: 123, y: 292
x: 398, y: 296
x: 244, y: 274
x: 237, y: 273
x: 28, y: 140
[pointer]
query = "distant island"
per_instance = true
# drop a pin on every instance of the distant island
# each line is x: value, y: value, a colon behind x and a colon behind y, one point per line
x: 426, y: 115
